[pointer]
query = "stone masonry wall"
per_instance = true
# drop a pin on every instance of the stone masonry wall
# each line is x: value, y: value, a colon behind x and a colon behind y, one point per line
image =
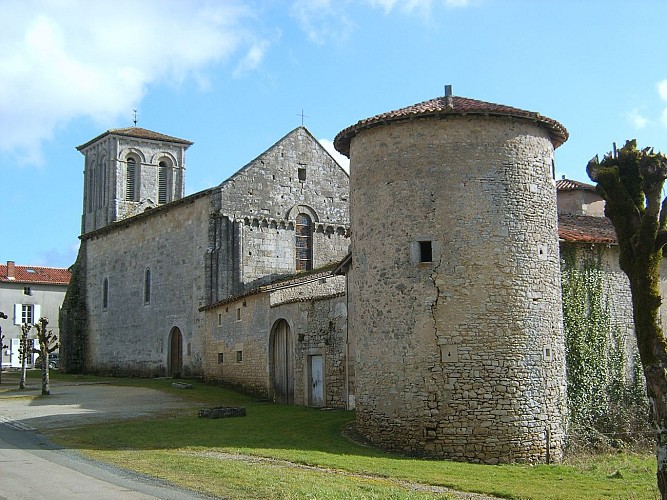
x: 316, y: 313
x: 130, y: 336
x: 461, y: 357
x: 254, y: 214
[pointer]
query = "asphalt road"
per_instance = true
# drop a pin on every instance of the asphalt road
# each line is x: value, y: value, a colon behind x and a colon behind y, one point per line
x: 33, y: 468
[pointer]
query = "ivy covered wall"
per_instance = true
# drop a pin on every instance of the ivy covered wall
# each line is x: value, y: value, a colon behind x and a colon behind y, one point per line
x: 606, y: 397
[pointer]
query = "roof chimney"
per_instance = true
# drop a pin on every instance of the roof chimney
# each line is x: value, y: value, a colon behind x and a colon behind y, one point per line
x: 10, y: 270
x: 449, y: 100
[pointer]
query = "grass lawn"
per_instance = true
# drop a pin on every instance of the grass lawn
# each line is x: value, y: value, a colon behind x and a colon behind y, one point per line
x: 296, y: 452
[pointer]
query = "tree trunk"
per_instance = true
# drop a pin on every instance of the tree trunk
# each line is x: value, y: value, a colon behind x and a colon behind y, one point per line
x: 656, y: 383
x: 46, y: 390
x: 24, y: 347
x: 653, y: 351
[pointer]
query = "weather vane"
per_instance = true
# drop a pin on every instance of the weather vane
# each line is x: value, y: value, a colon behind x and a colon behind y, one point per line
x: 302, y: 116
x: 135, y: 117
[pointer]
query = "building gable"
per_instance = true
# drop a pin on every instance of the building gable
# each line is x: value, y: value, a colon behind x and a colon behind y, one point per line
x: 295, y: 171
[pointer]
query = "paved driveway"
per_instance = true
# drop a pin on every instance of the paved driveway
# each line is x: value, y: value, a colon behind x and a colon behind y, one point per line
x: 32, y: 468
x: 75, y: 403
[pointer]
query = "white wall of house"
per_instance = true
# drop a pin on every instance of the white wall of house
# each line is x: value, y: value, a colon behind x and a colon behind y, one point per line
x: 27, y: 301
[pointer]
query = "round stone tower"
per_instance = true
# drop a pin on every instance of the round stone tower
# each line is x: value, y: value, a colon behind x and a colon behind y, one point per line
x: 454, y: 285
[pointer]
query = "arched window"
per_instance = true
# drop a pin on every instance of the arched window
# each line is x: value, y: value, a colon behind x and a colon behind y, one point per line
x: 147, y: 286
x: 130, y: 181
x: 105, y: 293
x: 163, y: 172
x: 304, y: 243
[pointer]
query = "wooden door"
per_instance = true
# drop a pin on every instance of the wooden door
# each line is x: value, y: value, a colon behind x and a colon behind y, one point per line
x: 176, y: 353
x: 281, y: 363
x: 316, y: 385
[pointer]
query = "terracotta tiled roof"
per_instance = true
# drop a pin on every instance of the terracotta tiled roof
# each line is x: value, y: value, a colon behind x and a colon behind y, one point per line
x: 585, y: 229
x: 450, y: 105
x: 139, y: 133
x: 36, y: 274
x: 570, y: 185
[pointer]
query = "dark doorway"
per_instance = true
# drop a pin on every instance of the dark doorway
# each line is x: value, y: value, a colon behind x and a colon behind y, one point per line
x: 175, y: 353
x: 281, y: 363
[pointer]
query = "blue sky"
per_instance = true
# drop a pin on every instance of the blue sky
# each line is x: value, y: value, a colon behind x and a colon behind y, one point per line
x: 234, y: 76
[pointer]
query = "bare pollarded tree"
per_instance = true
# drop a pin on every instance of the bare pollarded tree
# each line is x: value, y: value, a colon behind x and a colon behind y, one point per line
x: 48, y: 343
x: 631, y: 183
x: 25, y: 351
x: 2, y: 343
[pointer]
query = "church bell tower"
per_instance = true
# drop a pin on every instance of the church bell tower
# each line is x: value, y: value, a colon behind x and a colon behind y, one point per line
x: 127, y: 171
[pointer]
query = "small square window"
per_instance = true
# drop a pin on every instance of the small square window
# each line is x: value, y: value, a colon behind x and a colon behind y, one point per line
x: 221, y: 357
x: 302, y: 174
x: 27, y: 290
x: 239, y: 356
x: 425, y: 251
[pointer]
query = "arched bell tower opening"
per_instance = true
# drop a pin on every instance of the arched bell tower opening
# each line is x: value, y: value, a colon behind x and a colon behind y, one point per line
x: 127, y: 170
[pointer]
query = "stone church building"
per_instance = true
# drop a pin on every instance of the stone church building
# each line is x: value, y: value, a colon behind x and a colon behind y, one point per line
x: 151, y: 258
x: 424, y: 289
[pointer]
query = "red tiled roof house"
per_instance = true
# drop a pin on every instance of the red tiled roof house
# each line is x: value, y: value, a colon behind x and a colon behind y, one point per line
x: 28, y: 293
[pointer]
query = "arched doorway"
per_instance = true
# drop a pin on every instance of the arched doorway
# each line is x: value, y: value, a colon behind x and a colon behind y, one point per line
x: 175, y: 353
x: 282, y: 378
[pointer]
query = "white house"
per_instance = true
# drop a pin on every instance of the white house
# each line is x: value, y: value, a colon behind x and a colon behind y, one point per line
x: 28, y: 293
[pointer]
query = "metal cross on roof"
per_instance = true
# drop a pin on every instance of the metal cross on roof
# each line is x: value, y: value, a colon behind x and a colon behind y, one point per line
x: 302, y: 116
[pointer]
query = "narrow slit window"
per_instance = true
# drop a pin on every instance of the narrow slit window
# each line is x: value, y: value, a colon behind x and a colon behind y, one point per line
x: 105, y: 293
x: 221, y: 358
x: 147, y: 286
x: 239, y: 356
x: 425, y: 251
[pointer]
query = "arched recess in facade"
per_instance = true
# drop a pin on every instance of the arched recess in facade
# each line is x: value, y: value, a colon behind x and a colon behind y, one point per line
x: 175, y: 360
x: 281, y: 362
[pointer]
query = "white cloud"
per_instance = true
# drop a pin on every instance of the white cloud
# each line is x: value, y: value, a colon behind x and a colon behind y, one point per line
x: 662, y: 92
x: 61, y: 60
x: 327, y: 20
x: 637, y: 119
x: 342, y: 160
x: 662, y: 89
x: 423, y: 6
x: 253, y: 58
x: 322, y: 20
x: 56, y: 257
